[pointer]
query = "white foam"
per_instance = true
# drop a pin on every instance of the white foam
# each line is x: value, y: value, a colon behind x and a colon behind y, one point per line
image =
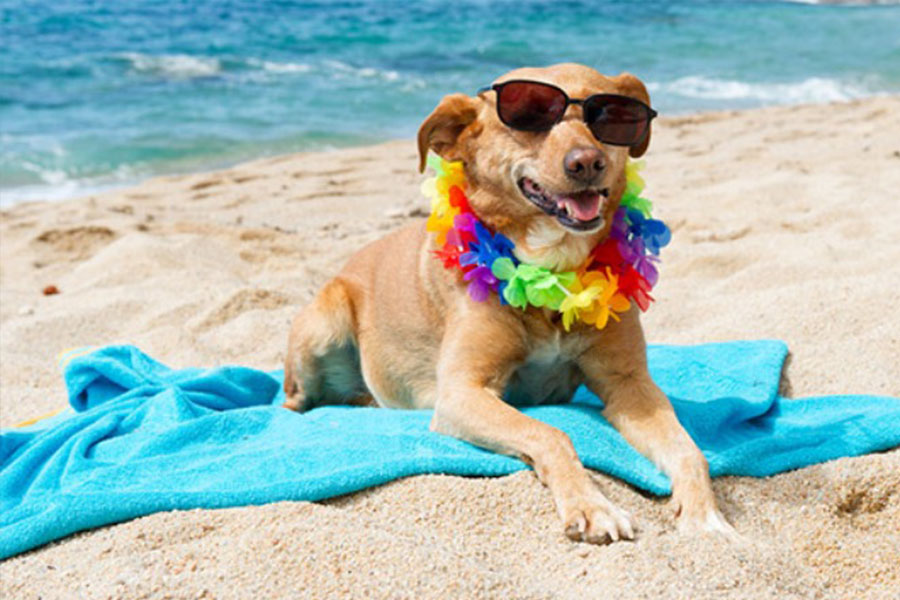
x: 56, y: 184
x: 174, y: 66
x: 341, y: 69
x: 279, y: 67
x: 811, y: 90
x: 26, y: 193
x: 335, y: 69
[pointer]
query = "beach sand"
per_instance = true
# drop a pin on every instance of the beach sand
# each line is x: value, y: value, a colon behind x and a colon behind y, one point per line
x: 786, y: 224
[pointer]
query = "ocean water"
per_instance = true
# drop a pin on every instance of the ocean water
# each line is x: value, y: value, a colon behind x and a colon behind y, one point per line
x: 95, y: 93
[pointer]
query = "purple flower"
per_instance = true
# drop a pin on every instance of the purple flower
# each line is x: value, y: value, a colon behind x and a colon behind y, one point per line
x: 465, y: 222
x: 481, y: 283
x: 644, y: 265
x: 635, y: 254
x: 619, y: 230
x: 632, y: 249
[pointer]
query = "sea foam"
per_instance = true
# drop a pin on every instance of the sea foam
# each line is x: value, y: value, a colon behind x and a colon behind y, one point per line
x: 279, y: 67
x: 174, y: 66
x: 810, y: 90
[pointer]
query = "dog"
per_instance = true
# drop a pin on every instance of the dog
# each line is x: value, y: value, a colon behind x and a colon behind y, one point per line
x: 395, y: 329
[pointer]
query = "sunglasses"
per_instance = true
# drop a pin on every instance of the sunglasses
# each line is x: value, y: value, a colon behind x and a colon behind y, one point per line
x: 537, y: 106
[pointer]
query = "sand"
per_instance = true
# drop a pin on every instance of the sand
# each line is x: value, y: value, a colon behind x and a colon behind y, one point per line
x: 786, y: 225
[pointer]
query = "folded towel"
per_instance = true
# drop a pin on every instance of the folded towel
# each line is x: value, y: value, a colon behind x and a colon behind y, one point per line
x: 145, y: 438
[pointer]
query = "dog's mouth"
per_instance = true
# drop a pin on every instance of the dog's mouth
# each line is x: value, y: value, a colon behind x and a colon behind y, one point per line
x: 579, y: 211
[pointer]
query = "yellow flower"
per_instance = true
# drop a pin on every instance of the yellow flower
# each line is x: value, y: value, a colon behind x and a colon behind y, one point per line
x: 579, y: 300
x: 632, y: 174
x: 450, y: 174
x: 447, y: 175
x: 594, y: 299
x: 440, y: 221
x: 608, y: 302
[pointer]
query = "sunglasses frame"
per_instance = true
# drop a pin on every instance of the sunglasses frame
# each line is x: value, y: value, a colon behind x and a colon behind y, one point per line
x: 498, y: 87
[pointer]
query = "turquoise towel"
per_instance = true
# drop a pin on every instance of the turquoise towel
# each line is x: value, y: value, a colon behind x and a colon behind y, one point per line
x: 146, y: 438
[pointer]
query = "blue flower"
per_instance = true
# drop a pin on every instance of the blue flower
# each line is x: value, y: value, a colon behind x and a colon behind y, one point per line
x: 654, y: 232
x: 486, y: 248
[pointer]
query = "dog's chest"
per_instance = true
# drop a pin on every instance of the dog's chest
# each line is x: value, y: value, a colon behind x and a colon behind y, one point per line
x: 547, y: 376
x: 550, y: 247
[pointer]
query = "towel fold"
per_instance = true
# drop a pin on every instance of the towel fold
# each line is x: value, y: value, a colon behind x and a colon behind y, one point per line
x: 143, y: 437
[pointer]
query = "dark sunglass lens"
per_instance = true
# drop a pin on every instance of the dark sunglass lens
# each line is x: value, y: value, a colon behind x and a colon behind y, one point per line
x: 617, y: 120
x: 530, y: 106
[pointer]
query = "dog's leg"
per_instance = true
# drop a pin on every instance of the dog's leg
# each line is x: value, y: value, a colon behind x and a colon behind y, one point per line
x: 616, y: 371
x: 477, y: 357
x: 644, y: 416
x: 321, y: 365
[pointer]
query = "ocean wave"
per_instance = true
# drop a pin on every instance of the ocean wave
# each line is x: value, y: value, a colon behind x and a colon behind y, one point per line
x: 811, y: 90
x: 340, y: 69
x: 56, y: 184
x: 279, y: 67
x: 185, y: 66
x: 173, y: 66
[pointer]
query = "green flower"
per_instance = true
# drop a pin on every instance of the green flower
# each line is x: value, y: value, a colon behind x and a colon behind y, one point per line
x: 547, y: 288
x: 635, y: 202
x: 527, y: 284
x: 634, y: 185
x: 513, y: 287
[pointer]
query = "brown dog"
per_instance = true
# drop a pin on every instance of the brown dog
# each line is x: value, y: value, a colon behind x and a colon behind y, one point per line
x: 396, y: 329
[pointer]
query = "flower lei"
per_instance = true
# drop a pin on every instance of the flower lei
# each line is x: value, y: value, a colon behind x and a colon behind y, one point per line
x: 620, y: 270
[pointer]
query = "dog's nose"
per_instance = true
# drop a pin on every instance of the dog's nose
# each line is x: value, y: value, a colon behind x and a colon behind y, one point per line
x: 584, y: 164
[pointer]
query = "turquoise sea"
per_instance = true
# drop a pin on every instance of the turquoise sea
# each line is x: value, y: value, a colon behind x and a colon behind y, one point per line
x: 96, y: 93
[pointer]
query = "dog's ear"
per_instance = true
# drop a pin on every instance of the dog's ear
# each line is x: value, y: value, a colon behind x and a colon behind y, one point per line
x: 442, y: 128
x: 629, y: 85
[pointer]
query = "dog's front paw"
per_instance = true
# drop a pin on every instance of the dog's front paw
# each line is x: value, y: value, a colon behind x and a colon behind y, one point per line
x: 591, y: 518
x: 705, y: 520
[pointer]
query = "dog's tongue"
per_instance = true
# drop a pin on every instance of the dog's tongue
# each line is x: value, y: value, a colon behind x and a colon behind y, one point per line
x: 584, y: 206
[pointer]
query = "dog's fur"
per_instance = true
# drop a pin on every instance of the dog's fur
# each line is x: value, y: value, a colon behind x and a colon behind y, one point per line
x: 396, y: 329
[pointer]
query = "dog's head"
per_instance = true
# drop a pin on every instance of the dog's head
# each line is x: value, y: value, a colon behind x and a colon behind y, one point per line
x: 553, y: 192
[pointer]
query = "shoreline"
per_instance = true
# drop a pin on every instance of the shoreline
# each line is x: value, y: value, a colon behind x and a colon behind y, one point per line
x: 784, y: 226
x: 33, y: 193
